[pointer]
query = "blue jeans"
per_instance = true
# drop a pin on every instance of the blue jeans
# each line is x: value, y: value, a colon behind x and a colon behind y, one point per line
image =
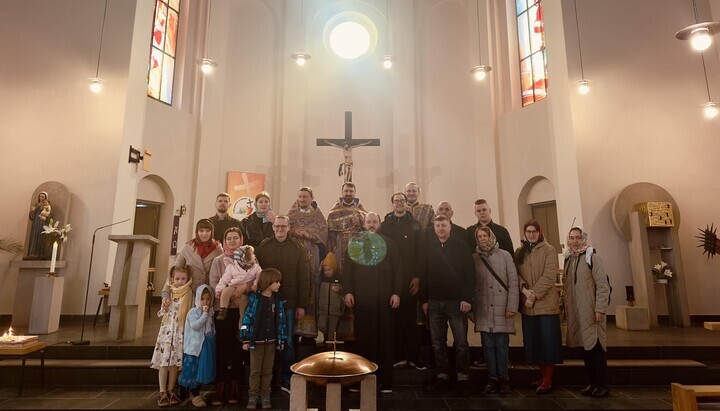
x: 288, y: 354
x: 495, y: 346
x: 440, y: 313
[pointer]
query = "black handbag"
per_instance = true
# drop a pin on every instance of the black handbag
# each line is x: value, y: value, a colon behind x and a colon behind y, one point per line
x: 521, y: 302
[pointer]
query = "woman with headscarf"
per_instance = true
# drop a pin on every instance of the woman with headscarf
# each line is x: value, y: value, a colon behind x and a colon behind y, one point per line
x: 496, y: 303
x: 537, y: 266
x: 198, y: 254
x: 587, y: 296
x: 258, y: 225
x: 229, y: 347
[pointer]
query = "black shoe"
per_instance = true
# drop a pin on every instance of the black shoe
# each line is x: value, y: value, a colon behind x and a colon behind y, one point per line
x: 285, y: 387
x: 480, y: 363
x: 587, y: 391
x: 504, y: 386
x: 435, y: 384
x: 491, y: 387
x: 600, y: 392
x: 419, y: 365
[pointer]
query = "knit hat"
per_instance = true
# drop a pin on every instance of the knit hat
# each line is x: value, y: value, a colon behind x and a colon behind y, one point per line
x: 204, y: 223
x: 330, y: 261
x: 244, y: 256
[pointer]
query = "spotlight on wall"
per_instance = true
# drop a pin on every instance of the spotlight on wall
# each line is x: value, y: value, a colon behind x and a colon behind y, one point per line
x: 699, y: 34
x: 207, y: 65
x: 480, y: 71
x: 388, y: 61
x: 300, y: 58
x: 95, y: 84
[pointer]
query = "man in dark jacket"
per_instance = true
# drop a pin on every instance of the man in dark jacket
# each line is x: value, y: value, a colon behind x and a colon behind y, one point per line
x: 222, y: 220
x: 445, y: 208
x: 446, y: 295
x: 482, y: 212
x: 400, y: 226
x: 288, y: 256
x: 373, y: 290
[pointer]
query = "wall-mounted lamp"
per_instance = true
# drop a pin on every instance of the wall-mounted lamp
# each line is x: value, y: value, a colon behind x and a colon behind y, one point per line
x: 181, y: 211
x: 699, y: 34
x: 96, y: 82
x: 480, y: 71
x: 135, y: 156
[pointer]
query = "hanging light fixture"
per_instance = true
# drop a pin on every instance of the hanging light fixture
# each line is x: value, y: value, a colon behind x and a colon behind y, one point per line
x: 583, y: 83
x: 207, y: 65
x: 480, y: 71
x: 96, y: 82
x: 388, y: 58
x: 301, y: 57
x: 699, y: 34
x: 710, y: 109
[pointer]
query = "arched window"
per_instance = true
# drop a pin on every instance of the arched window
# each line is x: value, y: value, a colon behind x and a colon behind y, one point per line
x: 531, y: 45
x: 161, y: 69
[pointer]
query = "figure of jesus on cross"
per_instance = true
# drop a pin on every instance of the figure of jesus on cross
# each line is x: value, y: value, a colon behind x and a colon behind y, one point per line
x: 346, y: 145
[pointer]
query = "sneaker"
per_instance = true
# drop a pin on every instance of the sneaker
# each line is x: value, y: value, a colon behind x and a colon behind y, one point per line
x: 285, y: 387
x: 252, y: 403
x: 491, y: 387
x: 222, y: 314
x: 266, y: 404
x: 354, y: 388
x: 163, y: 400
x: 385, y: 390
x: 504, y: 386
x: 198, y: 402
x: 419, y: 365
x: 400, y: 363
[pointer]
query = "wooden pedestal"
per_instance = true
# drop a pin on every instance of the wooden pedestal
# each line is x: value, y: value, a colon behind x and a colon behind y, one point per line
x: 632, y: 318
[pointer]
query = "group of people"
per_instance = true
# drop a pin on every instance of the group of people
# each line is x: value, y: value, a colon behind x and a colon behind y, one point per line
x: 263, y: 283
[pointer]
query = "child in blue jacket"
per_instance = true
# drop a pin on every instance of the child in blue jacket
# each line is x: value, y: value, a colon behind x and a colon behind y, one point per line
x: 263, y: 330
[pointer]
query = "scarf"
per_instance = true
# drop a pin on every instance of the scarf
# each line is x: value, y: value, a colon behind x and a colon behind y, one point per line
x: 184, y: 294
x: 204, y: 249
x: 583, y: 248
x: 492, y: 241
x: 262, y: 216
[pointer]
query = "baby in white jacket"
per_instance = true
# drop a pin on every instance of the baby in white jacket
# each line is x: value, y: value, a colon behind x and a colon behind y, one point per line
x: 241, y: 269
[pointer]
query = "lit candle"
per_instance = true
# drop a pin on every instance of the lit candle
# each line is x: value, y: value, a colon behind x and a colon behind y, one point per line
x: 54, y: 257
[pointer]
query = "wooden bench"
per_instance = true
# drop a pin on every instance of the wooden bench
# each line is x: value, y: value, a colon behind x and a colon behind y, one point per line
x: 685, y: 397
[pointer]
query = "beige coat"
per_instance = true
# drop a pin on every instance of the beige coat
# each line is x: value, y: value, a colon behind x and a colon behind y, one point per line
x: 491, y: 298
x: 587, y: 291
x: 199, y: 267
x: 538, y: 272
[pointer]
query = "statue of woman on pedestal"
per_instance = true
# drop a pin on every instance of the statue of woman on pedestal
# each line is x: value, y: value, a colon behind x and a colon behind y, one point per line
x: 40, y: 213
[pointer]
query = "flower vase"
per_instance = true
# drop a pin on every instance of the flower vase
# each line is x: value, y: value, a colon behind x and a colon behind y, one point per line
x: 662, y: 281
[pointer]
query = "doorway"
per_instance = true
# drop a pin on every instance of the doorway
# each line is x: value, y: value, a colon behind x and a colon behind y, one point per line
x: 546, y: 214
x: 147, y: 221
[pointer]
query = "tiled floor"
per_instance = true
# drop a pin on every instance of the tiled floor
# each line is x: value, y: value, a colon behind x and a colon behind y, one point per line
x: 403, y: 398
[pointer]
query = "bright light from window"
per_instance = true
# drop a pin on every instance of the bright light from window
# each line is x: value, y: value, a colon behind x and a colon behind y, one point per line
x: 349, y: 40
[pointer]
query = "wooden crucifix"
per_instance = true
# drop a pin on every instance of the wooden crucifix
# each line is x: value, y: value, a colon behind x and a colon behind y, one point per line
x: 346, y: 145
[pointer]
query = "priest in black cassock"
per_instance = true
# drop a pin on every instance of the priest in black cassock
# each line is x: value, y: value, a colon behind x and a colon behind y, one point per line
x: 372, y: 280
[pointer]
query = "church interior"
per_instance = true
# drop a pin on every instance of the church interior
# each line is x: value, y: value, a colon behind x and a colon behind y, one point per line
x: 523, y: 137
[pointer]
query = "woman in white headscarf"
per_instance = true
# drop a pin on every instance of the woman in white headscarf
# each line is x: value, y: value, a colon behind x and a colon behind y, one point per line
x: 587, y: 296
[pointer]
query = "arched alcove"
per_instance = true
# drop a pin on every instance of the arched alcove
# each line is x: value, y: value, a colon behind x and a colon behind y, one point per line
x: 537, y: 200
x: 153, y: 190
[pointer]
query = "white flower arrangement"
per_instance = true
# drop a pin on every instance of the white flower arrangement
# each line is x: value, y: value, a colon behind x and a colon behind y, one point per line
x: 662, y: 271
x: 55, y: 232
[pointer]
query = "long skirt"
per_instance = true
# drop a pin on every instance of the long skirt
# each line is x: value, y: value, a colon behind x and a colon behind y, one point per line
x: 542, y: 339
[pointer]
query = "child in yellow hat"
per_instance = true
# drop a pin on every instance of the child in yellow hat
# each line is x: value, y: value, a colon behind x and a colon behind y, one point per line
x: 330, y: 301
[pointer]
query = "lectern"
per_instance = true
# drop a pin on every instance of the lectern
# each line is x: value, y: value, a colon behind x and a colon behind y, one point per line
x: 129, y: 285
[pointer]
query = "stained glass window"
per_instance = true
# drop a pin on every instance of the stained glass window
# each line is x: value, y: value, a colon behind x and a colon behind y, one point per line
x: 531, y: 46
x: 161, y: 69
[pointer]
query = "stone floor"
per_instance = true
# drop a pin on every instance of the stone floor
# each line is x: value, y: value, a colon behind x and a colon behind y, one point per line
x: 403, y: 398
